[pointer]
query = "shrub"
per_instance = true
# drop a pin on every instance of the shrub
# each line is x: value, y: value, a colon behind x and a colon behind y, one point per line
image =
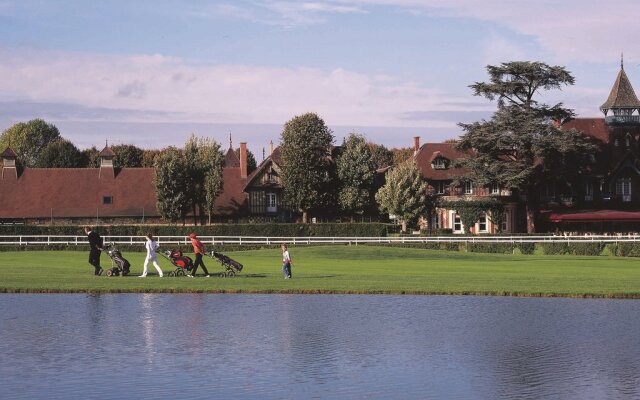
x: 628, y: 249
x: 504, y: 248
x: 526, y: 247
x: 555, y: 248
x: 586, y: 249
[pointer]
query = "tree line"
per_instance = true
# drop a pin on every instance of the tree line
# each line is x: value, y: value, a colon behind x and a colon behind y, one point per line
x: 520, y: 147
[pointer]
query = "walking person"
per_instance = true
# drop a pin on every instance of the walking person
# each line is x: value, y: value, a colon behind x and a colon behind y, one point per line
x: 198, y: 249
x: 151, y: 246
x: 286, y: 262
x: 95, y: 245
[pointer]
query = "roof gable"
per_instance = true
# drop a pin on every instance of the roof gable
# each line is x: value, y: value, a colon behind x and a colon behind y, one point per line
x: 231, y: 160
x: 622, y: 94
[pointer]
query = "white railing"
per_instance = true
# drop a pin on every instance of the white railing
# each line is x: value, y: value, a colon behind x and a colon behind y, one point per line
x: 25, y: 240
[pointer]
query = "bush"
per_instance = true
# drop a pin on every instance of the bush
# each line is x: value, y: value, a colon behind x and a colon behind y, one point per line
x: 270, y: 230
x: 628, y: 249
x: 503, y: 248
x: 555, y: 248
x: 527, y: 247
x: 586, y: 249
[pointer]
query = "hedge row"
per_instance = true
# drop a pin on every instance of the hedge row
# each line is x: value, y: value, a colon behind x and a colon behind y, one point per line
x: 270, y: 230
x: 577, y: 249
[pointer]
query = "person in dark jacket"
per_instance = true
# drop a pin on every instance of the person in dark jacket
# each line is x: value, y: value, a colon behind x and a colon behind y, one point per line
x: 95, y: 243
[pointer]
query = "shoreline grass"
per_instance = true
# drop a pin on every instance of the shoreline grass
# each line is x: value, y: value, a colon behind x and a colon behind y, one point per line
x: 341, y: 270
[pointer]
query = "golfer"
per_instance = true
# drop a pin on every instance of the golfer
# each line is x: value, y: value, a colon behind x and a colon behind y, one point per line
x: 198, y: 249
x: 151, y: 247
x: 95, y: 244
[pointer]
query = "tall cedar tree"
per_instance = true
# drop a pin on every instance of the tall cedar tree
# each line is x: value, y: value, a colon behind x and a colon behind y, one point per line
x: 404, y: 193
x: 356, y: 173
x: 522, y: 144
x: 307, y: 177
x: 170, y: 182
x: 28, y: 139
x: 204, y: 175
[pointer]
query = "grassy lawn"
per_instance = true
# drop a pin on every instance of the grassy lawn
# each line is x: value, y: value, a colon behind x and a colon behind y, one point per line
x: 341, y: 269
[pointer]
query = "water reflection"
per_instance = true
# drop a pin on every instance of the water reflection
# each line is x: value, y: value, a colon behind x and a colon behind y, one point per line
x: 292, y: 346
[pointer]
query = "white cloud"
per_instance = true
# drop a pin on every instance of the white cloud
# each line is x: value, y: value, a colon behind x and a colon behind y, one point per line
x: 165, y: 89
x: 569, y: 30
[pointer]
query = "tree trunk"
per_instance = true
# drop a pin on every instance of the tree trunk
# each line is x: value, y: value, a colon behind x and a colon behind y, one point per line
x: 532, y: 210
x: 404, y: 226
x: 304, y: 217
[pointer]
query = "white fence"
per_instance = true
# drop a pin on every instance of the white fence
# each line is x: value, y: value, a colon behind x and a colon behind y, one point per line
x: 25, y: 240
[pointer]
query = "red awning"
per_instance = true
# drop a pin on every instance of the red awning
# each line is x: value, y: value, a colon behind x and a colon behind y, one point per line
x: 597, y: 216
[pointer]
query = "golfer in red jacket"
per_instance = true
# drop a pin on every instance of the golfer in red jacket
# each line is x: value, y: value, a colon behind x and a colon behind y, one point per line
x: 198, y: 249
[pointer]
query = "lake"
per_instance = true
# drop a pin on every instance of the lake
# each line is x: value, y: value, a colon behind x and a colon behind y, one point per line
x: 189, y: 346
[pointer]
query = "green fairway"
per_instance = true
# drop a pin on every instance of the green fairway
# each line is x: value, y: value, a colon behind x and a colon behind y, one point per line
x: 341, y: 269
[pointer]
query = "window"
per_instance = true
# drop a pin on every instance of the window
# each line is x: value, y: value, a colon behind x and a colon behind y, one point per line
x: 588, y: 191
x: 467, y: 187
x: 623, y: 189
x: 272, y: 205
x: 457, y: 223
x: 439, y: 163
x: 616, y: 142
x: 627, y: 141
x: 505, y: 222
x: 494, y: 188
x: 482, y: 223
x: 107, y: 199
x: 271, y: 177
x: 440, y: 187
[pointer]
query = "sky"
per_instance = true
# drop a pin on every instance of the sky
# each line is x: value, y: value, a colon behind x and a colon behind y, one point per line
x: 151, y: 72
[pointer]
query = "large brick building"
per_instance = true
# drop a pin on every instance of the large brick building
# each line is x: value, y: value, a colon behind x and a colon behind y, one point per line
x: 607, y: 198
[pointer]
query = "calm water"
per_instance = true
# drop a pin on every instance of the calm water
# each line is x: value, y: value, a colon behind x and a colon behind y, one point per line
x: 302, y: 346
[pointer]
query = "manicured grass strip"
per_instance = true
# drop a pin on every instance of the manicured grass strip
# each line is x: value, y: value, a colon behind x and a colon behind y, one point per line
x: 341, y: 269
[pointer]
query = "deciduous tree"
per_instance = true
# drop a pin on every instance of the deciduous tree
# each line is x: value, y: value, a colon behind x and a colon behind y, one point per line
x: 127, y: 156
x: 60, y: 154
x: 404, y: 193
x: 356, y: 173
x: 170, y: 182
x: 28, y: 139
x: 307, y: 176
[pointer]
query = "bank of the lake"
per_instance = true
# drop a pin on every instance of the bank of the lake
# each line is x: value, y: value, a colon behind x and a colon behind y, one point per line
x: 341, y: 269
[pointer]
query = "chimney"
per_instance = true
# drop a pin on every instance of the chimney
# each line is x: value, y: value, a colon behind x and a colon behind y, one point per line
x: 270, y: 148
x: 416, y: 144
x: 9, y: 169
x: 243, y: 160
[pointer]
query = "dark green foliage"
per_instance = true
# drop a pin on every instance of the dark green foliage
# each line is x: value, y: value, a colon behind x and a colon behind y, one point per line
x: 356, y: 174
x: 520, y: 147
x: 308, y: 172
x: 149, y: 156
x: 262, y: 230
x: 555, y: 248
x: 170, y: 182
x: 90, y: 157
x: 127, y: 156
x: 470, y: 210
x: 28, y: 139
x: 627, y: 249
x: 380, y: 156
x: 252, y: 164
x: 60, y: 153
x: 526, y: 247
x: 501, y: 248
x: 586, y: 249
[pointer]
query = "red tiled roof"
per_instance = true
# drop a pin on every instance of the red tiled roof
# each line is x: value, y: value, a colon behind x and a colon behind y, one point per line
x: 427, y: 153
x: 77, y: 192
x: 231, y: 160
x: 8, y: 152
x: 594, y: 127
x: 232, y: 199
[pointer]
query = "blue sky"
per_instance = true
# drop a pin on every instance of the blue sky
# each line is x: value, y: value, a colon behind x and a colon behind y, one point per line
x: 152, y: 72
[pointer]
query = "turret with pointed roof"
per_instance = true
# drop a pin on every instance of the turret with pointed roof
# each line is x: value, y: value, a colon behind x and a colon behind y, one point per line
x: 622, y: 100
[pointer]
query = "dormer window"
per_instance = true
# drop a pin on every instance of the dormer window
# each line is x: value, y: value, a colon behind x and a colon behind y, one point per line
x: 439, y: 163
